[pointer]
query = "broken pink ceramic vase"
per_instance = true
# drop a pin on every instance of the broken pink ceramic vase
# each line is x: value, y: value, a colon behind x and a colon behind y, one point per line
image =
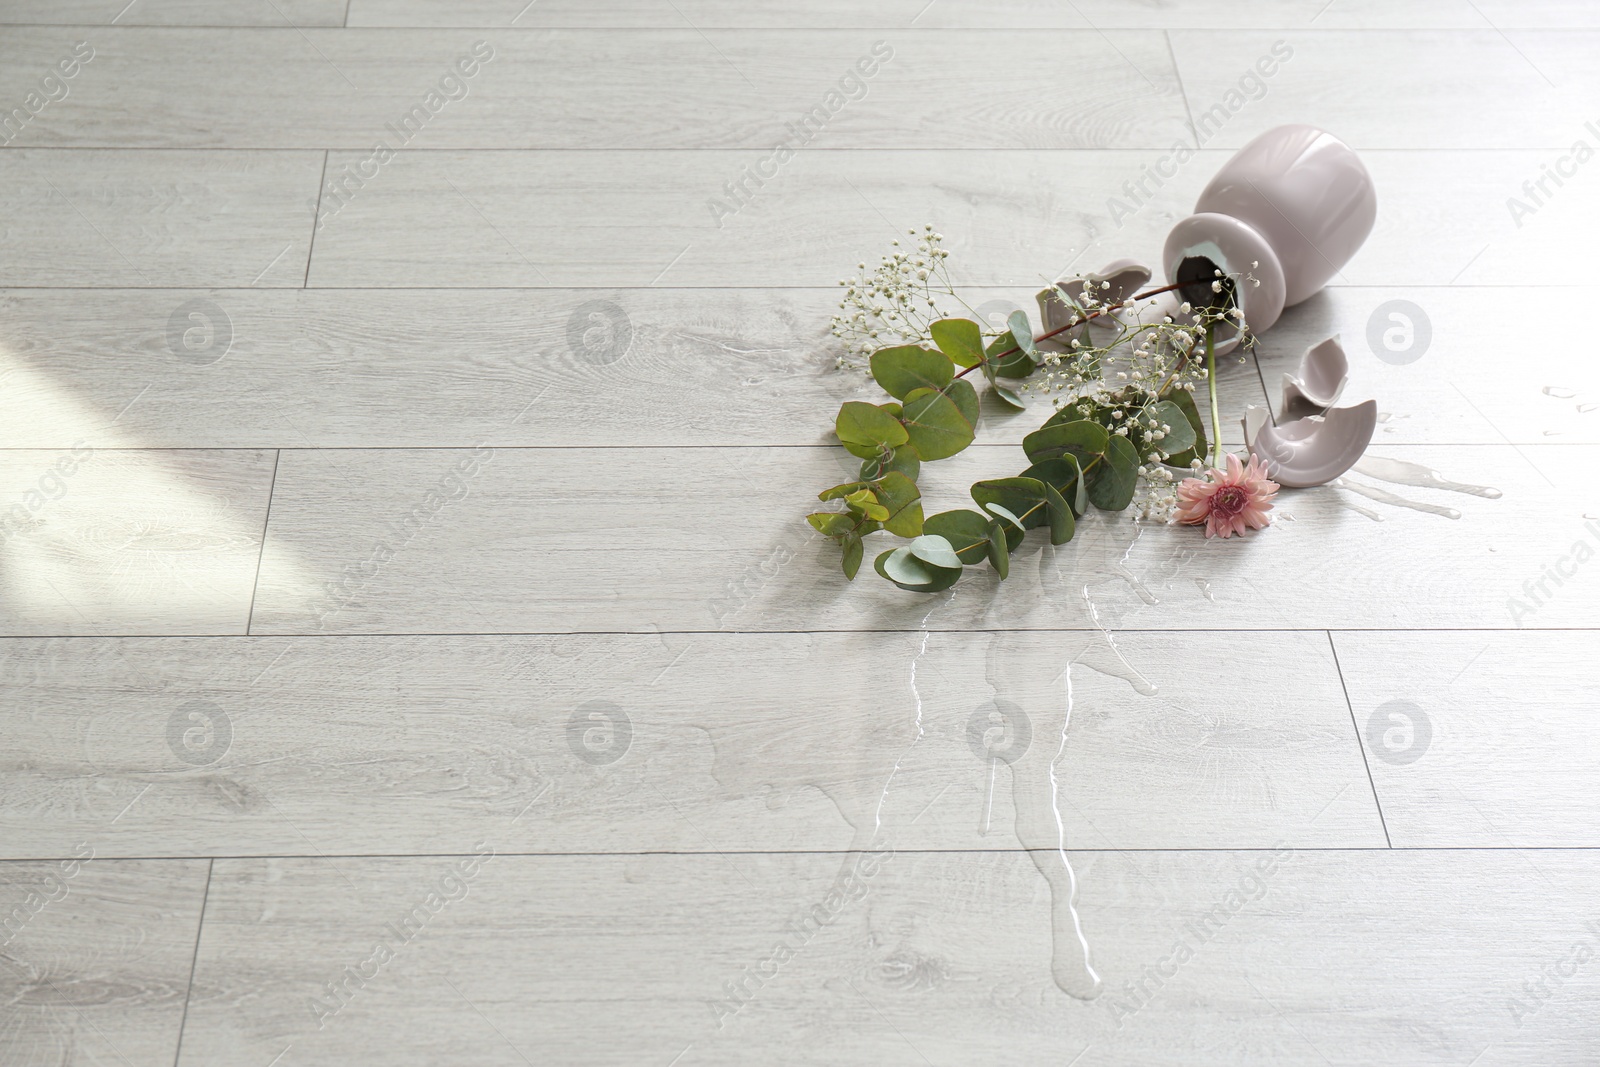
x: 1285, y: 214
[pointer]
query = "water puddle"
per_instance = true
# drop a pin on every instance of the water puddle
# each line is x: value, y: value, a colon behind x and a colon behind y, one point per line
x: 1558, y: 392
x: 1401, y: 472
x: 1045, y: 688
x: 1383, y: 496
x: 1205, y: 589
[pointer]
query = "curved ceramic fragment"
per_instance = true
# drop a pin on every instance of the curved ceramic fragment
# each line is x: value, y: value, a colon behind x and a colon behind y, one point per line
x: 1315, y: 449
x: 1126, y: 277
x: 1324, y: 370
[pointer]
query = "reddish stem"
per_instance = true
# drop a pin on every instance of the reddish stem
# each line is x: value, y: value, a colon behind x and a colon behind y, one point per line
x: 1070, y: 325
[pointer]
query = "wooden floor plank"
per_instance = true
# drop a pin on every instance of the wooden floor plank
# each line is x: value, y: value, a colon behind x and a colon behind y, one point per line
x: 432, y: 368
x: 104, y: 541
x: 1303, y: 16
x: 552, y: 540
x: 156, y: 218
x: 96, y: 954
x: 1296, y: 958
x: 1480, y: 739
x: 1010, y: 219
x: 1527, y: 90
x: 97, y: 14
x: 676, y: 88
x: 682, y: 742
x: 442, y: 368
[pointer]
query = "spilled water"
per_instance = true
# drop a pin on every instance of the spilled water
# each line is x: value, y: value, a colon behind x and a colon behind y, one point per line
x: 1558, y: 392
x: 1121, y: 570
x: 1383, y: 496
x: 1036, y: 789
x: 1401, y: 472
x: 1349, y: 505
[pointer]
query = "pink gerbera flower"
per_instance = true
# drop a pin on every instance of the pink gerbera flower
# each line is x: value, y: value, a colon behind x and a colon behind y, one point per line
x: 1228, y: 502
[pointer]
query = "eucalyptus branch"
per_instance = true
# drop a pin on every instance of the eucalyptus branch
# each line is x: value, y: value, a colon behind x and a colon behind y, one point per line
x: 999, y: 356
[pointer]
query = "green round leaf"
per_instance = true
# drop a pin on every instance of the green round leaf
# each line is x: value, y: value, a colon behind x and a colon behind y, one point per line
x: 907, y: 367
x: 931, y: 548
x: 1018, y: 364
x: 902, y: 503
x: 1005, y: 513
x: 1021, y: 331
x: 905, y: 570
x: 903, y: 459
x: 999, y: 550
x: 866, y: 429
x: 1024, y: 499
x: 1062, y: 525
x: 965, y: 398
x: 1180, y: 435
x: 830, y: 523
x: 935, y: 425
x: 1010, y: 398
x: 852, y: 556
x: 968, y: 533
x: 1112, y: 483
x: 960, y: 339
x: 1081, y: 437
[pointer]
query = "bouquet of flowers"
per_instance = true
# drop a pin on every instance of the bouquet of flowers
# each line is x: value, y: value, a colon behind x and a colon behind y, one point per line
x: 1122, y: 368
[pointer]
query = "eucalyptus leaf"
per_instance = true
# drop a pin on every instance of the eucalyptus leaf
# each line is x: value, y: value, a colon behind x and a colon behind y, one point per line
x: 999, y: 550
x: 839, y: 492
x: 1079, y: 437
x: 1184, y: 402
x: 866, y: 502
x: 865, y: 429
x: 905, y: 570
x: 935, y: 425
x: 830, y: 523
x: 1023, y: 499
x: 907, y: 367
x: 931, y: 548
x: 968, y: 533
x: 1065, y: 475
x: 1112, y: 484
x: 1004, y: 513
x: 902, y: 459
x: 1080, y: 492
x: 960, y: 339
x: 1180, y: 437
x: 902, y: 504
x: 853, y: 549
x: 1018, y: 364
x: 1022, y: 332
x: 1062, y: 525
x: 965, y: 397
x: 1009, y: 398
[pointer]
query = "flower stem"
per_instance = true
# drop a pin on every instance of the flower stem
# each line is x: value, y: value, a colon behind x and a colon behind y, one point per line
x: 1062, y: 329
x: 1211, y: 384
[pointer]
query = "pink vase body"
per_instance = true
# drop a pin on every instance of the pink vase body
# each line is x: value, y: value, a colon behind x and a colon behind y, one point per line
x: 1287, y: 211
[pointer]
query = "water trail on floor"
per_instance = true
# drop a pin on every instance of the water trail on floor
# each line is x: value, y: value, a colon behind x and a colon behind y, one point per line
x: 1205, y: 589
x: 1559, y: 392
x: 1107, y: 659
x: 1402, y: 472
x: 1121, y: 570
x: 1076, y: 976
x: 1383, y: 496
x: 916, y: 698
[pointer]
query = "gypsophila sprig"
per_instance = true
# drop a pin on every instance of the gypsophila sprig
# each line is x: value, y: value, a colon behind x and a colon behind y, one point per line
x: 897, y: 302
x: 1120, y: 370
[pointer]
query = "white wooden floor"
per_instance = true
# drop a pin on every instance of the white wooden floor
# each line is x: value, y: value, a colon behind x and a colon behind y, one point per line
x: 553, y: 783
